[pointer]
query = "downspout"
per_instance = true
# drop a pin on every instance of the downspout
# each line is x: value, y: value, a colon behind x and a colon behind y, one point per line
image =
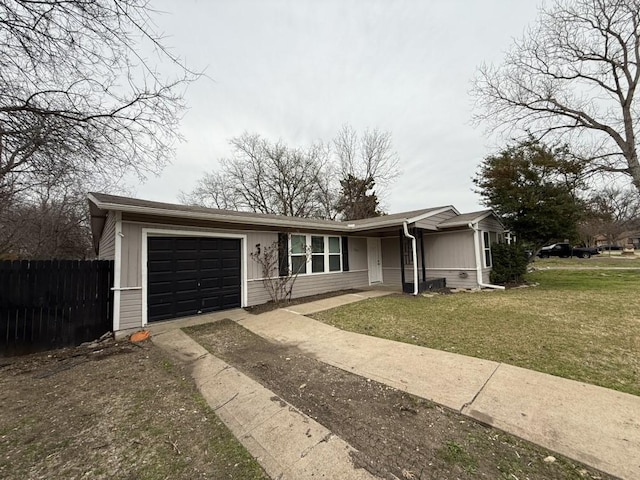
x: 476, y: 243
x: 415, y: 256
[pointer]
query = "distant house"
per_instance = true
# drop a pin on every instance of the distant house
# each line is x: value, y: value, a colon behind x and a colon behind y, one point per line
x: 176, y: 260
x: 629, y: 237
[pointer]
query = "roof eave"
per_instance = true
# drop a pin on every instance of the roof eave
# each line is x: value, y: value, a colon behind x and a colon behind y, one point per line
x: 219, y: 218
x: 467, y: 222
x: 417, y: 218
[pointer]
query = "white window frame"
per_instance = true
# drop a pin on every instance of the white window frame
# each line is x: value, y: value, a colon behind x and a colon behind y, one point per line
x: 486, y: 248
x: 326, y: 254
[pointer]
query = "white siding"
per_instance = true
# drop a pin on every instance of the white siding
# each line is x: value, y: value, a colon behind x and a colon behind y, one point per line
x: 107, y: 245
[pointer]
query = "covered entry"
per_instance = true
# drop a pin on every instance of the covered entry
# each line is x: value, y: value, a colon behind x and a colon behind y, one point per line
x: 192, y: 275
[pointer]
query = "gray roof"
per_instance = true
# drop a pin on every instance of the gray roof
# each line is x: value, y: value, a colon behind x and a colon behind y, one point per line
x: 101, y: 202
x: 467, y: 218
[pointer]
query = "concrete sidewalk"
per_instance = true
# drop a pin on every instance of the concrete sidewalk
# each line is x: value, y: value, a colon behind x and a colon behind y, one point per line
x: 287, y: 443
x: 594, y: 425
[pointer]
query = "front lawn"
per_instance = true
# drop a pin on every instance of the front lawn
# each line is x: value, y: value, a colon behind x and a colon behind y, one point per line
x: 578, y: 324
x: 604, y: 260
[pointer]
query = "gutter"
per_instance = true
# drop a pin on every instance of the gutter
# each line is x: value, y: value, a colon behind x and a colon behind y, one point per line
x: 415, y: 256
x: 290, y: 222
x: 476, y: 243
x: 230, y: 219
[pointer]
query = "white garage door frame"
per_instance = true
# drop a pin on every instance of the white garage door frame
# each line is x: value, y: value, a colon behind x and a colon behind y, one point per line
x: 160, y: 232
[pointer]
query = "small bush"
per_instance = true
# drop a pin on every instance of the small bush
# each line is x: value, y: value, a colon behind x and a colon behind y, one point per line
x: 509, y: 263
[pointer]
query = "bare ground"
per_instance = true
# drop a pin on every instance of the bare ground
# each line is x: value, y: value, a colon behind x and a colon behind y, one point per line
x: 397, y: 435
x: 117, y: 410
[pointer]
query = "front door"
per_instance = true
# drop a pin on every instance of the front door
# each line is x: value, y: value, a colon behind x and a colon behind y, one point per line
x: 374, y: 255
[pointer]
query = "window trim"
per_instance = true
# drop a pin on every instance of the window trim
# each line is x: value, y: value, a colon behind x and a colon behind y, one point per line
x: 326, y: 254
x: 486, y: 248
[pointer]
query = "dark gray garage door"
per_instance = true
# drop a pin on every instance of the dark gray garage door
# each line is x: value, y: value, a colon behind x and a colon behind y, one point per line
x: 192, y: 275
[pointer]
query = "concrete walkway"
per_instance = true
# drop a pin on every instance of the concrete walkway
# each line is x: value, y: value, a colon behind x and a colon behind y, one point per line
x: 594, y: 425
x: 287, y: 443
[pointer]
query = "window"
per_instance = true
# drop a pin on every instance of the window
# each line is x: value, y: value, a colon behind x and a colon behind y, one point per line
x: 315, y: 254
x: 486, y: 240
x: 298, y: 254
x: 335, y: 255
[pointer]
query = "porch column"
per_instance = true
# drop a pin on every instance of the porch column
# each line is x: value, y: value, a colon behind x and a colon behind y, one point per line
x: 402, y: 257
x: 424, y: 270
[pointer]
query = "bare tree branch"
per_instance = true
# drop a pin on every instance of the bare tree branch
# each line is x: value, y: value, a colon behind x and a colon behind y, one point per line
x: 573, y: 75
x: 79, y: 95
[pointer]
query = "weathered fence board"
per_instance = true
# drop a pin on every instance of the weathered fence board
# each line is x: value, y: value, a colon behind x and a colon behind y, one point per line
x: 49, y: 304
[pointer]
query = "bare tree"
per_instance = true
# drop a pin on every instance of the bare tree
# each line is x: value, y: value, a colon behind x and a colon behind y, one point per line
x: 615, y: 211
x: 51, y: 222
x: 278, y: 287
x: 270, y: 178
x: 620, y: 205
x: 77, y: 94
x: 574, y: 74
x: 368, y: 156
x: 211, y: 191
x: 274, y: 178
x: 365, y: 162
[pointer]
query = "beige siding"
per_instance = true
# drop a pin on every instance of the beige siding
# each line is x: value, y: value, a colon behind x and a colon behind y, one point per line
x: 132, y: 249
x: 265, y: 240
x: 450, y: 250
x: 130, y: 309
x: 131, y: 272
x: 490, y: 224
x: 485, y: 275
x: 390, y: 253
x: 392, y: 276
x: 431, y: 223
x: 131, y: 256
x: 454, y: 279
x: 358, y: 254
x: 306, y: 285
x: 107, y: 245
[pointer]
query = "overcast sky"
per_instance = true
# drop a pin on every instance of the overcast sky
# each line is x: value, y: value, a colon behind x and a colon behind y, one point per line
x: 298, y: 70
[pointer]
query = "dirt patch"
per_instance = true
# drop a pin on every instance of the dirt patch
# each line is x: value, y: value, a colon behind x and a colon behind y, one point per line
x: 397, y: 435
x: 115, y: 411
x: 269, y: 306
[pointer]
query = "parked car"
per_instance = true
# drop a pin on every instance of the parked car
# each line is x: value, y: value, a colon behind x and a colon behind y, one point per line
x: 606, y: 248
x: 564, y: 250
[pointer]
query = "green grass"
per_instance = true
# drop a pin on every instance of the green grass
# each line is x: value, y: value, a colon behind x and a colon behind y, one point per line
x: 455, y: 454
x: 578, y: 324
x: 603, y: 260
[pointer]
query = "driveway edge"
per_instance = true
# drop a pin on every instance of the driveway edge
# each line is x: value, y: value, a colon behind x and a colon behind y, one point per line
x: 288, y: 444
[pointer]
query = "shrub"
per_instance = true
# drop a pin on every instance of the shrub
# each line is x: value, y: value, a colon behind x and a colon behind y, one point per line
x: 509, y: 263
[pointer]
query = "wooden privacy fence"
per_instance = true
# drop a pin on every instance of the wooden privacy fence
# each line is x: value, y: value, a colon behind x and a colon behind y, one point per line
x: 49, y: 304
